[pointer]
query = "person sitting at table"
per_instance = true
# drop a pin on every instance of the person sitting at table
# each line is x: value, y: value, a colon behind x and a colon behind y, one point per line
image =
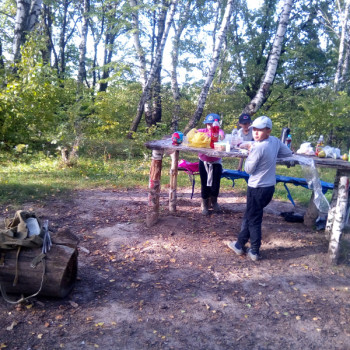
x: 210, y: 169
x: 245, y: 133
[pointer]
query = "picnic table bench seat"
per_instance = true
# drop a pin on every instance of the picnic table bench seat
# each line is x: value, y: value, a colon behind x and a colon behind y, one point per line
x: 296, y: 181
x: 192, y: 169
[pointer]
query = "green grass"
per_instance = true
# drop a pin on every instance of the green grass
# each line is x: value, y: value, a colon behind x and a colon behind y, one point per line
x: 37, y: 177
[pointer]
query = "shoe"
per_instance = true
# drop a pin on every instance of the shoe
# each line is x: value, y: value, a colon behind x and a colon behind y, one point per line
x: 205, y: 206
x: 238, y: 251
x: 253, y: 256
x: 214, y: 203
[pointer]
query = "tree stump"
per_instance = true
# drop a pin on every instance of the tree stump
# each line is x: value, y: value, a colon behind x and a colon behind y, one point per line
x: 61, y: 267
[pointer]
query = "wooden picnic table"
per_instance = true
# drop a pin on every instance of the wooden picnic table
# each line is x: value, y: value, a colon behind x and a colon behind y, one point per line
x: 337, y: 214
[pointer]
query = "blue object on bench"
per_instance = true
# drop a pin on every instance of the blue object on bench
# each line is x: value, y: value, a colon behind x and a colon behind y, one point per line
x: 236, y: 174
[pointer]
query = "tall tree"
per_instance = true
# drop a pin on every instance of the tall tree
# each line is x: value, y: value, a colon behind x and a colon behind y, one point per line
x: 344, y: 47
x: 83, y: 39
x: 157, y: 61
x: 214, y: 63
x: 178, y: 26
x: 272, y: 62
x: 27, y: 16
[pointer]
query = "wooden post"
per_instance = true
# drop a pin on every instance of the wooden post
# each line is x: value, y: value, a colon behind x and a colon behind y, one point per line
x: 333, y: 205
x: 154, y: 188
x: 173, y: 181
x: 339, y: 219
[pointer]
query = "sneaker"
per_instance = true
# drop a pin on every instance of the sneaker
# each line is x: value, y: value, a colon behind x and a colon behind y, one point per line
x: 238, y: 251
x: 253, y: 256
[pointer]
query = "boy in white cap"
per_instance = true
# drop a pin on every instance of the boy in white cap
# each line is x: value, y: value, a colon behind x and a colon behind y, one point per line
x: 261, y: 165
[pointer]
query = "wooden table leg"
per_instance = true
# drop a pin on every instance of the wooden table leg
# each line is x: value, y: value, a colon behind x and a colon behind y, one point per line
x: 154, y: 188
x: 173, y: 181
x: 339, y: 219
x: 333, y: 205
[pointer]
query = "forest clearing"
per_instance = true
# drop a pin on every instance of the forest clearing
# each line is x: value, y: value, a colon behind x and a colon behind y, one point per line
x: 177, y: 285
x: 85, y: 84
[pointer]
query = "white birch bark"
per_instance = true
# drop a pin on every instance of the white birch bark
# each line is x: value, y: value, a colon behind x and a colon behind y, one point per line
x: 155, y: 66
x: 27, y: 15
x: 82, y: 45
x: 339, y: 219
x: 140, y: 51
x: 137, y: 44
x: 214, y: 63
x: 343, y: 48
x: 272, y: 62
x: 184, y: 17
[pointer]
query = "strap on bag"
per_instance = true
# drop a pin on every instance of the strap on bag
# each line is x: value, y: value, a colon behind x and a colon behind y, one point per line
x: 34, y: 264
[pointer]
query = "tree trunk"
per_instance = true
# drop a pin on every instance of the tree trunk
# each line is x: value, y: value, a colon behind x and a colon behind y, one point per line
x: 158, y: 58
x: 339, y: 220
x: 156, y: 115
x: 2, y: 65
x: 62, y: 41
x: 27, y: 15
x: 272, y: 62
x: 343, y: 49
x: 82, y: 46
x: 215, y: 60
x: 184, y: 17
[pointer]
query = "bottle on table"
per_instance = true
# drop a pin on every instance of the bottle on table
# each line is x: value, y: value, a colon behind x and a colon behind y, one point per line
x: 319, y: 145
x: 289, y: 141
x: 214, y: 134
x: 234, y: 137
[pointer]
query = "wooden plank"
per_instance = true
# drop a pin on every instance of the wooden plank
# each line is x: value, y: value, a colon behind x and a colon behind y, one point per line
x: 166, y: 144
x: 154, y: 188
x: 173, y: 181
x: 339, y: 219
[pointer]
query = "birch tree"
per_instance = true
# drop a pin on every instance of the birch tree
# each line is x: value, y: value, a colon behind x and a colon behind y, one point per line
x: 156, y: 115
x: 178, y: 27
x: 139, y: 50
x: 27, y: 15
x: 83, y: 38
x: 272, y: 62
x: 155, y: 67
x: 214, y: 63
x: 344, y: 47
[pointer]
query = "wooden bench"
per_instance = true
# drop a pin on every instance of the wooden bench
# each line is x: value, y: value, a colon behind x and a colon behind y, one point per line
x: 233, y: 175
x: 296, y: 181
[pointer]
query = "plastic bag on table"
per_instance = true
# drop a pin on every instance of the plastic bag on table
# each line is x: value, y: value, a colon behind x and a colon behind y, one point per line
x: 331, y: 152
x: 306, y: 148
x: 314, y: 183
x: 198, y: 139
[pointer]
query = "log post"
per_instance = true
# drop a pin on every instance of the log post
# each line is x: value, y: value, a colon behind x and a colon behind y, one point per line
x: 173, y: 181
x: 154, y: 188
x: 339, y: 219
x: 333, y: 204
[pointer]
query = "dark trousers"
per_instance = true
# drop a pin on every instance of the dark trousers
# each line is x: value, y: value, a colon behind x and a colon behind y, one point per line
x: 213, y: 190
x: 257, y: 200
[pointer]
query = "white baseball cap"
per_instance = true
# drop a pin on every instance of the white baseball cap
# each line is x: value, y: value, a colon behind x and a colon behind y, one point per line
x: 262, y: 122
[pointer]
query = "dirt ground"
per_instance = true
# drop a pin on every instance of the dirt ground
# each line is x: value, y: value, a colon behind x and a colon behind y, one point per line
x: 178, y: 286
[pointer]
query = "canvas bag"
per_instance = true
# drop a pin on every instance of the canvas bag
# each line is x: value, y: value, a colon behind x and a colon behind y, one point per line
x: 15, y: 235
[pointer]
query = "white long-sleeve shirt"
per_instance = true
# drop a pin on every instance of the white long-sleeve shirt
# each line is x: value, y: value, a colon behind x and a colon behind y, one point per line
x: 261, y: 162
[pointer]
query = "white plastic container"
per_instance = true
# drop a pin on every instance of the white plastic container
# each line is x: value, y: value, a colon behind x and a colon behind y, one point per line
x: 33, y: 226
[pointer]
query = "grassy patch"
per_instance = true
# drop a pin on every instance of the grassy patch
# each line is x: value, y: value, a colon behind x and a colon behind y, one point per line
x: 38, y: 177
